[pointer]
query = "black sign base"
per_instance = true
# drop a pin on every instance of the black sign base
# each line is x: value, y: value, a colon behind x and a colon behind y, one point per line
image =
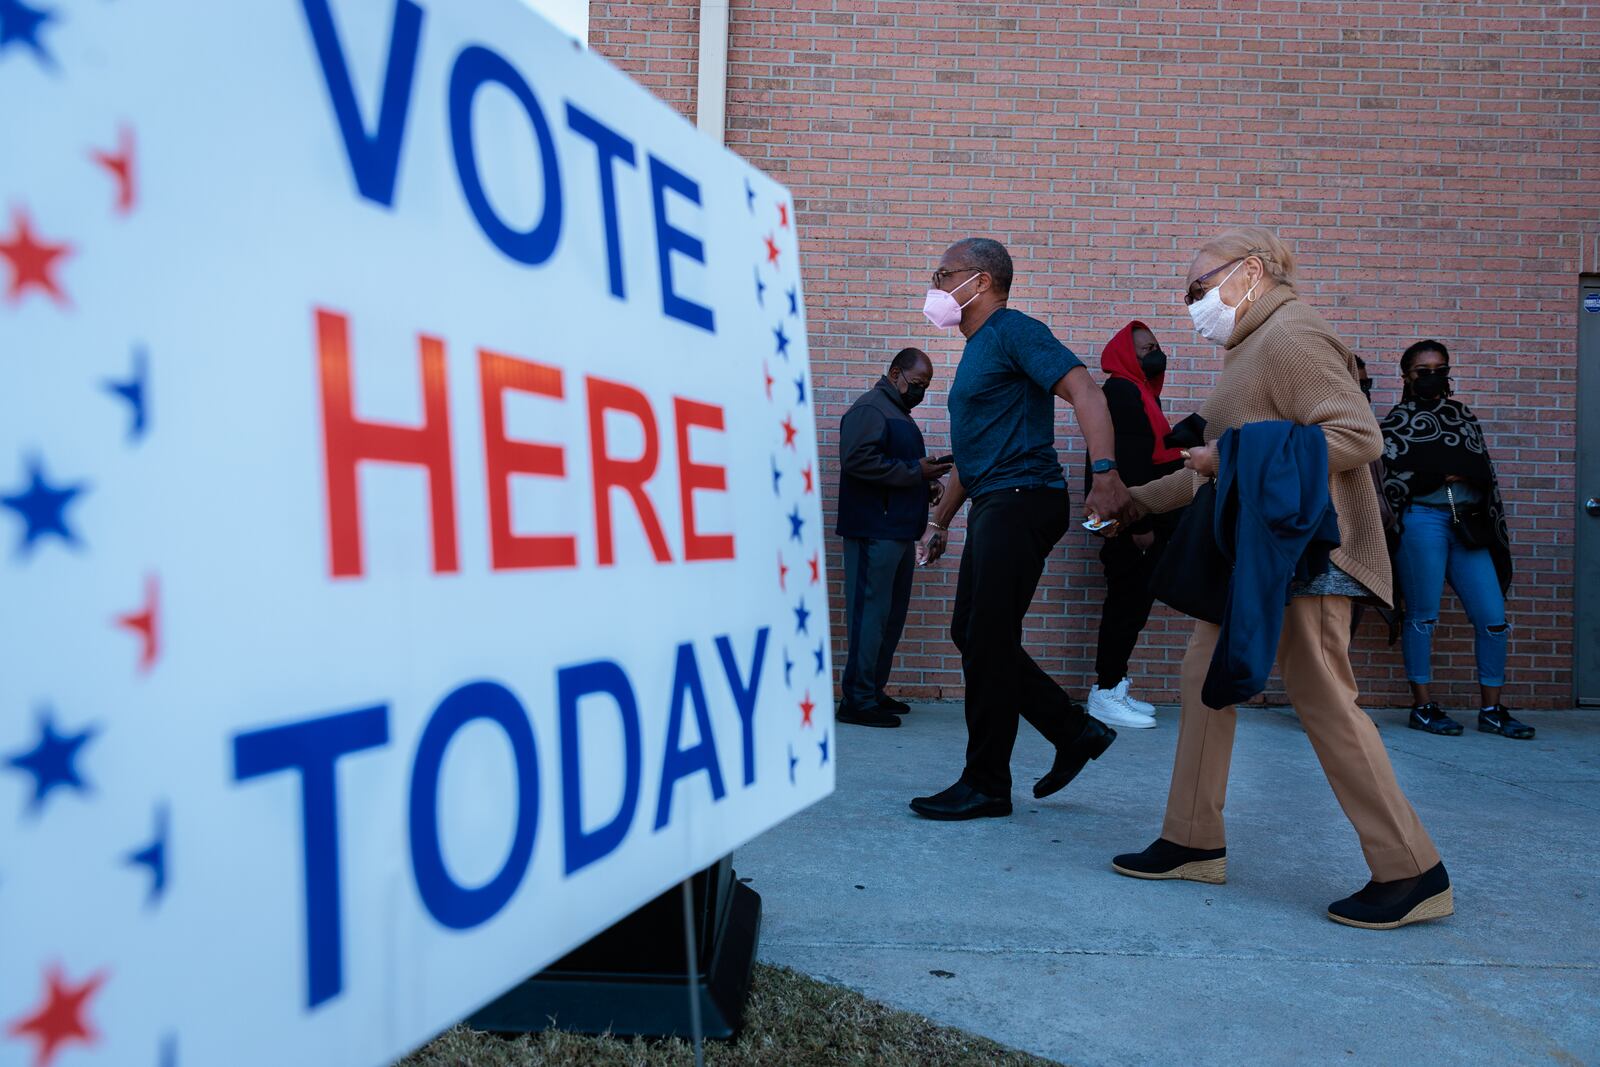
x: 632, y: 980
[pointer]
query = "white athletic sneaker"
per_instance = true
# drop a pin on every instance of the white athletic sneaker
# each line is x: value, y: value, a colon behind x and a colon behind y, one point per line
x: 1121, y: 693
x: 1104, y: 705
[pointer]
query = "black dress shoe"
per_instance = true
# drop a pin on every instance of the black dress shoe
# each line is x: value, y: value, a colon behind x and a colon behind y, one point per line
x: 1497, y: 720
x: 865, y: 717
x: 961, y: 801
x: 1167, y: 859
x: 1430, y: 718
x: 893, y: 706
x: 1389, y: 905
x: 1092, y: 740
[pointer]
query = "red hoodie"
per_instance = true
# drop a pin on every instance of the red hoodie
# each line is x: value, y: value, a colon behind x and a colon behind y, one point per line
x: 1119, y: 361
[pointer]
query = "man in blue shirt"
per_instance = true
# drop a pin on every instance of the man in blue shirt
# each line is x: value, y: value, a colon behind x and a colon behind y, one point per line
x: 1002, y: 431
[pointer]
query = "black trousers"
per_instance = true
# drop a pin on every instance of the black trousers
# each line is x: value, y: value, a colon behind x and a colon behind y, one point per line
x: 1127, y: 605
x: 1010, y: 534
x: 877, y: 592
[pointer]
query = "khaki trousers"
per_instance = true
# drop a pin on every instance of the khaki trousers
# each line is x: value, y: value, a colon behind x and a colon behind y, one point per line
x: 1314, y: 662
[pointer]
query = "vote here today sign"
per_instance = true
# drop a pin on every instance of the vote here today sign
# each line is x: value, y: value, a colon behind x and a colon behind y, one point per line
x: 410, y: 548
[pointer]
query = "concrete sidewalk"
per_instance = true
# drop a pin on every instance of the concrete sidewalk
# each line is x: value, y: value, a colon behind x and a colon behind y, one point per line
x: 1017, y: 928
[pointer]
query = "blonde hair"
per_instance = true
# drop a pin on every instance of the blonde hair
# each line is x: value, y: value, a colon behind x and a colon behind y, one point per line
x: 1241, y: 242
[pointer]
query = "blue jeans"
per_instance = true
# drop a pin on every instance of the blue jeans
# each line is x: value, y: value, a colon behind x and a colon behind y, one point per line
x: 1429, y: 553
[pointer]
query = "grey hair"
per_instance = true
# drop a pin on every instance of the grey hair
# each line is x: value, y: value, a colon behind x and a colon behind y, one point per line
x: 989, y: 256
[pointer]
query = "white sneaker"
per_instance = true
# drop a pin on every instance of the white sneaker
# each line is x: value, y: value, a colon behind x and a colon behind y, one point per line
x: 1104, y: 705
x: 1121, y: 693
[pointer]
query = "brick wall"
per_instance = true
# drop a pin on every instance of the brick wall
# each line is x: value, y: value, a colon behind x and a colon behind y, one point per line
x: 1434, y: 166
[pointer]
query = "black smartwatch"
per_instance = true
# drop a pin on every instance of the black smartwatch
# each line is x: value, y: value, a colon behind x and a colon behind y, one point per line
x: 1102, y: 466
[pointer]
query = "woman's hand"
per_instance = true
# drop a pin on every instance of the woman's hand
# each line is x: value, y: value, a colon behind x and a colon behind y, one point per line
x: 1202, y: 460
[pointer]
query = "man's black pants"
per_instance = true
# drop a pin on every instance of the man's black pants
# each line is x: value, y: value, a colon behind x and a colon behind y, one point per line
x: 1127, y: 605
x: 877, y: 592
x: 1010, y: 534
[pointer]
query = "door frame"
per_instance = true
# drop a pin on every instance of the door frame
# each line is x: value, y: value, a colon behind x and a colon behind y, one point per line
x: 1586, y: 538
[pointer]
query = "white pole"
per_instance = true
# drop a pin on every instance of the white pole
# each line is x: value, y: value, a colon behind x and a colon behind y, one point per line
x: 711, y: 103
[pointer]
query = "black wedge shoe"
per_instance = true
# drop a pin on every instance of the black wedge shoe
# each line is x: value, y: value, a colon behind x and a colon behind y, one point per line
x: 1430, y: 718
x: 1391, y: 905
x: 1167, y: 859
x: 1497, y: 720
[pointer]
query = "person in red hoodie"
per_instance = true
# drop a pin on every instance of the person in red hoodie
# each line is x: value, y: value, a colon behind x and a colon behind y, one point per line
x: 1135, y: 368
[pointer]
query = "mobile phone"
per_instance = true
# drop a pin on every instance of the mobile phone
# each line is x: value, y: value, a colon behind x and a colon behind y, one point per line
x: 945, y: 459
x: 1095, y: 525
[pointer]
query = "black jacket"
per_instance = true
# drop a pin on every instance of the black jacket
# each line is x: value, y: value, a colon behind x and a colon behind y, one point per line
x: 882, y: 493
x: 1135, y: 449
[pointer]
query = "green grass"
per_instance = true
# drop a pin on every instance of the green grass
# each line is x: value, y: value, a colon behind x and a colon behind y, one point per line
x: 791, y: 1020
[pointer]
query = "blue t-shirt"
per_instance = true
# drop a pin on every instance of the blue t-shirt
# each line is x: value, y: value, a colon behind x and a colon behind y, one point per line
x: 1002, y: 413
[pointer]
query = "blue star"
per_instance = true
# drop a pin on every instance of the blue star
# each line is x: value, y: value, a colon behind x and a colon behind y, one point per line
x: 817, y: 652
x: 761, y: 289
x: 777, y: 476
x: 154, y: 856
x: 788, y: 666
x: 792, y: 763
x: 42, y: 506
x: 823, y: 744
x: 794, y: 301
x: 800, y: 389
x: 20, y: 24
x: 782, y: 340
x: 132, y: 391
x: 749, y: 197
x: 800, y: 617
x: 51, y: 761
x: 795, y: 522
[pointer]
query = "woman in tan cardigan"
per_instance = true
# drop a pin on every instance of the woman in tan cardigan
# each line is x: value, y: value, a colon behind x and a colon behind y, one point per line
x: 1283, y: 361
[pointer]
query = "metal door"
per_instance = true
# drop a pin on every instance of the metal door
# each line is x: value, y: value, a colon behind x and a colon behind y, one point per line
x: 1586, y: 611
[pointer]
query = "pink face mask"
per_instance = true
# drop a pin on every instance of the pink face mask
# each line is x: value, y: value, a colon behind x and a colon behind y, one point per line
x: 941, y: 307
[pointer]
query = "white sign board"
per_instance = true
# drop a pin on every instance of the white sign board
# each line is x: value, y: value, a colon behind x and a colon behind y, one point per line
x: 410, y: 550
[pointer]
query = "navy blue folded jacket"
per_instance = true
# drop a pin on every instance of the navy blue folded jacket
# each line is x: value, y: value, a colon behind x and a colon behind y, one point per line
x: 1275, y: 522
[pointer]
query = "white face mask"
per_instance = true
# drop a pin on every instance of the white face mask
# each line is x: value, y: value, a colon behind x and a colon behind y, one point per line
x: 941, y: 307
x: 1213, y: 319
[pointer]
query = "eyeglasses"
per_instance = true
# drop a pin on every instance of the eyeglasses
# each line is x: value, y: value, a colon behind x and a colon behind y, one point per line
x: 1197, y: 289
x: 940, y: 275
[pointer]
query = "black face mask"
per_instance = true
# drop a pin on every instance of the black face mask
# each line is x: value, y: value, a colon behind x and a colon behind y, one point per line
x: 1431, y: 385
x: 1366, y: 390
x: 1153, y: 363
x: 914, y: 394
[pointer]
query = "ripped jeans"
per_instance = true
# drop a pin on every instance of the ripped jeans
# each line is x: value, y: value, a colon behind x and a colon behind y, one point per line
x: 1429, y: 553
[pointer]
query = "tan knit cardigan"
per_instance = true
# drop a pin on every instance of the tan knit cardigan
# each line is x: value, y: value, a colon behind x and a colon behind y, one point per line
x: 1285, y: 362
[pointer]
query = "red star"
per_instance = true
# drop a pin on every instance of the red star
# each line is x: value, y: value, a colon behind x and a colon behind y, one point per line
x: 788, y: 433
x: 816, y: 569
x: 783, y: 215
x: 61, y: 1018
x: 806, y: 474
x: 772, y: 251
x: 143, y: 623
x: 32, y: 261
x: 768, y: 375
x: 783, y: 573
x: 806, y: 707
x: 121, y: 168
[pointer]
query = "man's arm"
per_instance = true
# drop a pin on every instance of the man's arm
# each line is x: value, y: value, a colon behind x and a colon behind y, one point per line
x: 1108, y: 497
x: 936, y: 537
x: 861, y: 452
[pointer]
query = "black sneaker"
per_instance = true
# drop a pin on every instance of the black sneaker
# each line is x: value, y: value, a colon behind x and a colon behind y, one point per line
x: 1497, y: 720
x: 1430, y: 718
x: 1166, y: 859
x: 893, y: 706
x: 865, y: 717
x: 1390, y: 905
